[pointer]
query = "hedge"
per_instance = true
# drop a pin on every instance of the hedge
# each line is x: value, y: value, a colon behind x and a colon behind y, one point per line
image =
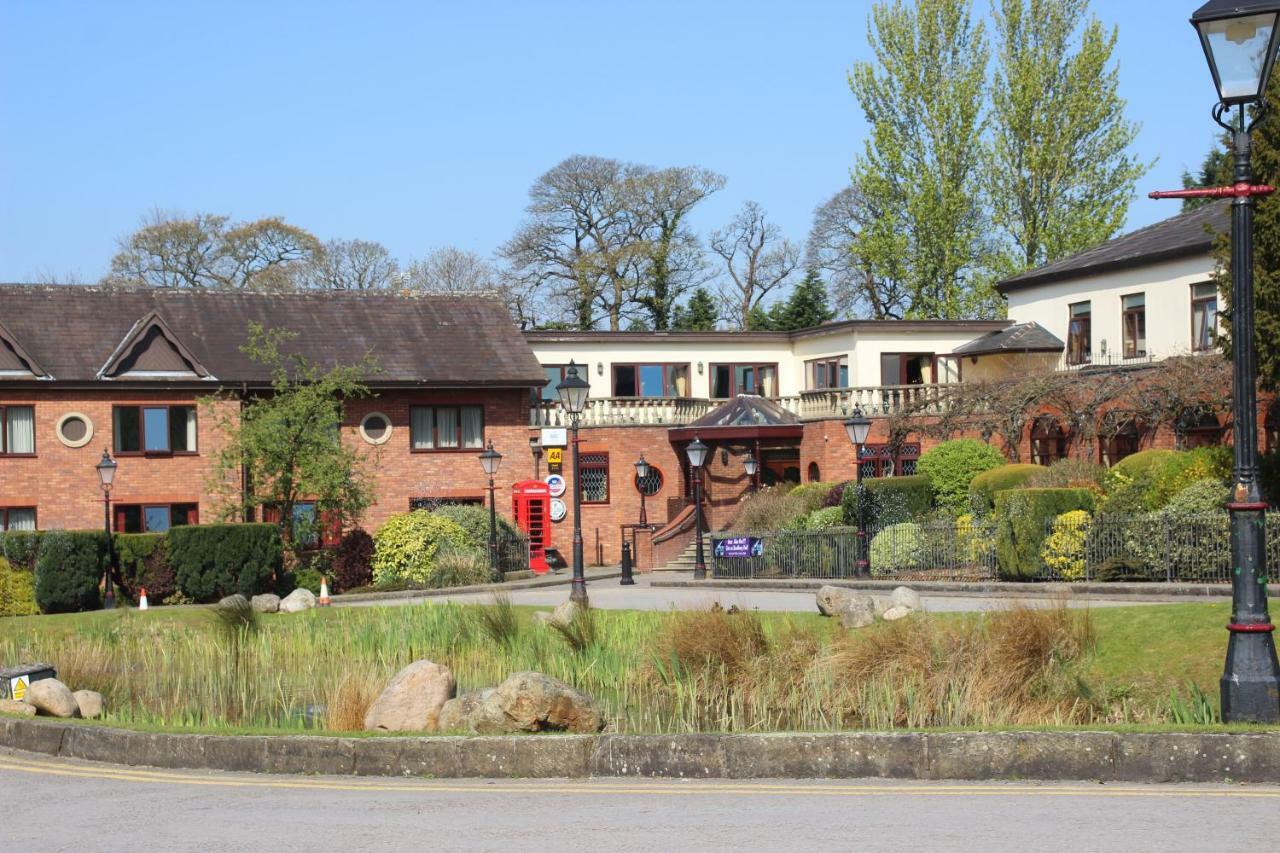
x: 1023, y: 517
x: 17, y: 591
x: 513, y: 554
x: 214, y: 560
x: 69, y: 567
x: 405, y: 547
x: 889, y: 500
x: 951, y: 467
x: 143, y: 560
x: 983, y: 487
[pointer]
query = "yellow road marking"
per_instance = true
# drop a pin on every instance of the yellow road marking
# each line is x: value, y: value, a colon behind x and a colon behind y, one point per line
x: 657, y: 788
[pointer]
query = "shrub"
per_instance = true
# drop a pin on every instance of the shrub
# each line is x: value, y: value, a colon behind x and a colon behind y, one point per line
x: 211, y: 561
x: 1022, y: 519
x: 951, y: 467
x: 307, y: 578
x: 975, y: 538
x: 1202, y: 497
x: 17, y: 591
x: 1143, y: 462
x: 460, y: 567
x: 898, y: 547
x: 889, y: 500
x: 143, y: 559
x: 835, y: 497
x: 822, y: 519
x: 20, y: 548
x: 68, y: 569
x: 1069, y: 474
x: 475, y: 521
x: 983, y: 488
x: 353, y: 560
x: 768, y: 510
x: 405, y: 547
x: 1185, y: 469
x: 1064, y: 548
x: 811, y: 496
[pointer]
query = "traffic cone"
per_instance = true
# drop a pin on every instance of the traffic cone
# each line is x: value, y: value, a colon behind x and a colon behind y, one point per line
x: 324, y: 591
x: 142, y: 599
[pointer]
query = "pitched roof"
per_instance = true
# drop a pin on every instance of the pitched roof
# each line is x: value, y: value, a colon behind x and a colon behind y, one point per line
x: 745, y: 410
x: 14, y: 358
x: 429, y: 341
x: 1024, y: 337
x: 1180, y: 236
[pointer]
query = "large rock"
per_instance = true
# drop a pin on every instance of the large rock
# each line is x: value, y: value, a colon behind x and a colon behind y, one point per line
x: 905, y: 596
x: 858, y: 612
x: 832, y: 599
x: 91, y: 704
x: 299, y: 599
x: 895, y: 613
x: 236, y: 600
x: 533, y: 702
x: 18, y: 707
x: 268, y: 602
x: 463, y: 712
x: 52, y: 698
x: 413, y: 700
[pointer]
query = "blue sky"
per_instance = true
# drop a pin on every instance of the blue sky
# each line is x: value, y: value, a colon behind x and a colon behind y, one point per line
x: 423, y: 124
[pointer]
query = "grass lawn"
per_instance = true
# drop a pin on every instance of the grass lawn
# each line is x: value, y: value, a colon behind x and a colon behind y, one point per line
x: 652, y: 671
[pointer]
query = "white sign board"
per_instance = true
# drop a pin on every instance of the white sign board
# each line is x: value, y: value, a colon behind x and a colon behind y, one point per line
x: 558, y: 510
x: 555, y: 485
x: 555, y: 437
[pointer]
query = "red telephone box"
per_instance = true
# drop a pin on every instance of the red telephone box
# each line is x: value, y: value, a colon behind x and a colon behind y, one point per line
x: 531, y: 506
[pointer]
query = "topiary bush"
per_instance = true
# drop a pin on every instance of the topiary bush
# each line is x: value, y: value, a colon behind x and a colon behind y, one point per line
x: 405, y: 547
x: 353, y: 560
x: 896, y: 548
x: 983, y: 487
x: 951, y: 467
x: 143, y: 561
x: 69, y: 567
x: 1022, y: 518
x: 1143, y: 462
x: 17, y: 591
x: 1064, y: 548
x: 211, y: 561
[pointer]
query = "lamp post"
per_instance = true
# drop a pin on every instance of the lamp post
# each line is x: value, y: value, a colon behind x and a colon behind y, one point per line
x: 642, y: 472
x: 106, y: 477
x: 697, y: 452
x: 1239, y: 38
x: 490, y: 460
x: 751, y: 465
x: 858, y: 427
x: 535, y: 447
x: 573, y: 390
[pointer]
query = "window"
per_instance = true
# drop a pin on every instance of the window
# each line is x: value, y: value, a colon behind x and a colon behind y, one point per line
x: 17, y: 430
x: 827, y: 373
x: 878, y: 460
x: 431, y: 504
x: 446, y: 428
x: 154, y: 518
x: 1079, y: 342
x: 154, y: 429
x: 906, y: 368
x: 18, y: 518
x: 730, y: 380
x: 595, y: 477
x: 74, y: 429
x: 1204, y: 315
x: 815, y: 475
x: 1198, y: 428
x: 1048, y: 441
x: 1123, y: 441
x: 554, y: 374
x: 1135, y: 325
x: 948, y: 369
x: 650, y: 484
x: 375, y: 428
x: 651, y: 380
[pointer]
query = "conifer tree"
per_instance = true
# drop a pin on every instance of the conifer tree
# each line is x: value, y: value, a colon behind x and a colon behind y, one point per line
x: 698, y: 315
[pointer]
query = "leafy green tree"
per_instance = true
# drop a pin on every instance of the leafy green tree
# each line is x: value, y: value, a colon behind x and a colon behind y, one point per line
x: 759, y: 319
x: 287, y: 444
x: 698, y: 315
x: 806, y: 306
x: 1215, y: 171
x: 1060, y: 174
x: 921, y: 169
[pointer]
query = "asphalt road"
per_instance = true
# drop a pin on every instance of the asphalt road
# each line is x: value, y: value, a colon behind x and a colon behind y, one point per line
x: 58, y: 805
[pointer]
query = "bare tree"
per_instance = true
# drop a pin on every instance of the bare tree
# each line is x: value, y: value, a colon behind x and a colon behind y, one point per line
x: 449, y: 269
x: 757, y: 259
x: 833, y: 242
x: 351, y: 265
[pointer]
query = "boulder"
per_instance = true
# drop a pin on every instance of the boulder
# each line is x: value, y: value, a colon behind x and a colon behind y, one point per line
x: 299, y: 599
x: 268, y: 602
x: 858, y: 612
x: 832, y: 599
x: 563, y: 614
x: 895, y: 613
x: 413, y: 700
x: 237, y: 600
x: 881, y: 604
x: 91, y: 704
x: 905, y: 596
x: 52, y: 698
x: 533, y: 702
x: 18, y: 707
x: 463, y: 712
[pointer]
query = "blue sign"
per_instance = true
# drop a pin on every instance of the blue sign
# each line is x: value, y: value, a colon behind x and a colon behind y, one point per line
x: 738, y: 546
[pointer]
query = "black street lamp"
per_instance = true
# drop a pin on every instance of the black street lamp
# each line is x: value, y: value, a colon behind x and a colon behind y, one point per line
x: 642, y: 474
x: 751, y: 465
x: 1239, y: 38
x: 698, y: 452
x: 859, y: 427
x: 573, y: 390
x: 490, y: 460
x: 106, y: 477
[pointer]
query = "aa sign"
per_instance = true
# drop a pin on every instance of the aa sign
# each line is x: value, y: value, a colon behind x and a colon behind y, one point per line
x: 555, y: 455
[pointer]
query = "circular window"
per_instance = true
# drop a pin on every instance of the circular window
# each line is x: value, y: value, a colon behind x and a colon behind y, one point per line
x: 650, y: 484
x: 375, y: 428
x: 75, y: 429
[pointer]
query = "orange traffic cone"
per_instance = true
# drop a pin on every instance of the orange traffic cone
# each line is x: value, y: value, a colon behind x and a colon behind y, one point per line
x: 324, y: 591
x: 142, y: 599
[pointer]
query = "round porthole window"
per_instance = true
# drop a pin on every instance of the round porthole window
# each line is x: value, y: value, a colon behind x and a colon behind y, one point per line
x: 375, y: 428
x: 75, y: 429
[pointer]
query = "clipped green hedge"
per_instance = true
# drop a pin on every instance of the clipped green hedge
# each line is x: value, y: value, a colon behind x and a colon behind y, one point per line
x: 20, y: 548
x: 143, y: 561
x: 214, y: 560
x: 983, y: 487
x: 17, y: 591
x: 69, y: 568
x: 1144, y: 462
x: 889, y: 500
x: 951, y: 467
x: 1023, y: 517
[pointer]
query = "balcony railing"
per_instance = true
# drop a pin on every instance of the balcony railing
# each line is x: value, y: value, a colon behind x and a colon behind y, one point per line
x: 680, y: 411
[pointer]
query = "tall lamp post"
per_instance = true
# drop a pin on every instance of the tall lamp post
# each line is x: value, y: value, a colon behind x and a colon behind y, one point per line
x: 751, y: 465
x: 106, y: 477
x: 642, y: 473
x: 697, y: 452
x: 1239, y: 38
x: 490, y: 460
x: 573, y: 390
x: 859, y: 427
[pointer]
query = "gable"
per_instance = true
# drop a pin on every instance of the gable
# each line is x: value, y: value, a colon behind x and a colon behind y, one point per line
x: 151, y: 349
x: 14, y: 360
